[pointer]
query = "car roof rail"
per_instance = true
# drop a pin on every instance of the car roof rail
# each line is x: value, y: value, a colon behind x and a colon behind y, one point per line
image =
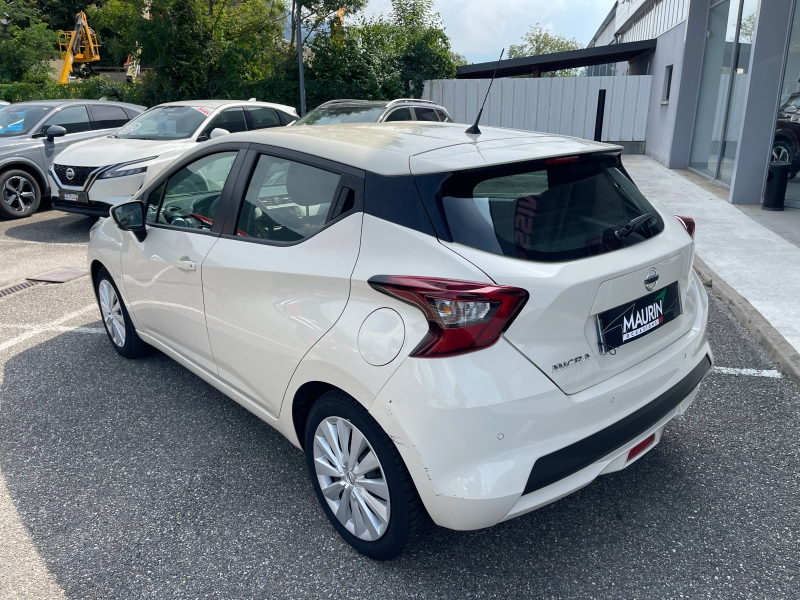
x: 399, y: 100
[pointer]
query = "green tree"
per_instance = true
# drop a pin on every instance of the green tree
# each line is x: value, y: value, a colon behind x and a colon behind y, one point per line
x: 540, y: 41
x: 26, y: 44
x: 195, y: 48
x: 380, y: 58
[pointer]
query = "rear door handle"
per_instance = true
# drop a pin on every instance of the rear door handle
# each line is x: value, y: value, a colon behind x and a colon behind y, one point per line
x: 186, y: 265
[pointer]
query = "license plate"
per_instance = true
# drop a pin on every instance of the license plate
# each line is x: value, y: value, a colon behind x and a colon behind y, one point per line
x: 68, y: 196
x: 634, y: 320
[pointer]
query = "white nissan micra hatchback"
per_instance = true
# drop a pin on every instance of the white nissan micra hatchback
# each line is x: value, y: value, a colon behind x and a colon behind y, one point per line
x: 456, y: 329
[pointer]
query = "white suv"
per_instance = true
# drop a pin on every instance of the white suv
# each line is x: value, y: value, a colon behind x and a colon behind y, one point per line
x: 456, y: 329
x: 90, y: 177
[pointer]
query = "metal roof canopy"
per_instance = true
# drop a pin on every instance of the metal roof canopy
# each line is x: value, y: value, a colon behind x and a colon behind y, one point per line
x: 532, y: 65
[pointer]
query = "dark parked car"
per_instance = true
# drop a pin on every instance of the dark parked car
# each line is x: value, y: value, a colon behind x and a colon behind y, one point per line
x: 786, y: 146
x: 33, y: 133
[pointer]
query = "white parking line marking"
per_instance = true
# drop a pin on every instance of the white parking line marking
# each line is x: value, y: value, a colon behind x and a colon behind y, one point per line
x: 43, y: 328
x: 749, y: 372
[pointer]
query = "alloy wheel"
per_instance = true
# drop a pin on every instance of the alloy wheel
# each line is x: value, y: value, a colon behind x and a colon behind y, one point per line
x: 19, y: 194
x: 111, y: 310
x: 351, y: 478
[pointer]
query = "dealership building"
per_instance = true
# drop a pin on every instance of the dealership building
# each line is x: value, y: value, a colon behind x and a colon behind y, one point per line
x: 725, y: 95
x: 709, y: 85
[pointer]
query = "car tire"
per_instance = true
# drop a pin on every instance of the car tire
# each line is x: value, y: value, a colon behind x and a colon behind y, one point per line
x: 20, y: 194
x: 407, y: 522
x: 116, y: 319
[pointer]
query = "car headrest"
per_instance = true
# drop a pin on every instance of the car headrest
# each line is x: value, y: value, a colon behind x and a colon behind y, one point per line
x: 305, y: 186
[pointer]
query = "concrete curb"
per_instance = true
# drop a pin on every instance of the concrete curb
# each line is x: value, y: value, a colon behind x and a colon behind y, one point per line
x: 764, y: 333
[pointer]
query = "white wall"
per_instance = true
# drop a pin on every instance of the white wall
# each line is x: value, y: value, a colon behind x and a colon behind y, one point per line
x: 564, y: 105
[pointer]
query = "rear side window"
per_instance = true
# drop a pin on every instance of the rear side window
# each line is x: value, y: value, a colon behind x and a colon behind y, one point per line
x: 546, y: 212
x: 264, y: 117
x: 286, y: 201
x: 74, y: 119
x: 426, y: 114
x: 443, y: 116
x: 108, y: 117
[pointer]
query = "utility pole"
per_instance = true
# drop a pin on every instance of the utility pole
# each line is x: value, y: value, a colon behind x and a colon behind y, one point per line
x: 300, y: 62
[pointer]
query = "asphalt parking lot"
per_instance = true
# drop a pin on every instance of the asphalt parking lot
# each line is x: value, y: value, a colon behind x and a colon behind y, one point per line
x: 135, y: 479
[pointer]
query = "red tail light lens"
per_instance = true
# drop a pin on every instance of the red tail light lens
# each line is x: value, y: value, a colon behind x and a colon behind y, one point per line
x: 463, y: 316
x: 688, y: 224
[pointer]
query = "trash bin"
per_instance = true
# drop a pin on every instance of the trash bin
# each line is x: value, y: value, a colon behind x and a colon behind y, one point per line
x: 777, y: 179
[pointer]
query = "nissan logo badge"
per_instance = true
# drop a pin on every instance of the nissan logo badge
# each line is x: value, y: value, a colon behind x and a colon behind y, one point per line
x: 651, y: 279
x: 70, y: 173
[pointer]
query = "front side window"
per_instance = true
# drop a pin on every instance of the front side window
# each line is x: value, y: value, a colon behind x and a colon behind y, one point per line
x: 192, y: 194
x: 165, y: 123
x: 565, y: 210
x: 18, y: 119
x: 74, y: 119
x: 231, y: 120
x: 286, y: 201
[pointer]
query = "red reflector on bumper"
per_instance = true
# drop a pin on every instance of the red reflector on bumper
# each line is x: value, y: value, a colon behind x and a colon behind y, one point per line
x: 641, y: 446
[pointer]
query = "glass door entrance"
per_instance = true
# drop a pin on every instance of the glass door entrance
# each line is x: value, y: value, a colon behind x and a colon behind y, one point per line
x: 786, y: 144
x: 723, y: 82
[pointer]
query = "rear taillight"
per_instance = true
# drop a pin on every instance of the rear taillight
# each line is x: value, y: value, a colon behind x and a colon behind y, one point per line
x: 688, y: 224
x: 463, y: 316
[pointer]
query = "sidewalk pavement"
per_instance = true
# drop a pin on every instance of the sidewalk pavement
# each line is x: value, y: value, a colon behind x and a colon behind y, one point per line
x: 760, y: 266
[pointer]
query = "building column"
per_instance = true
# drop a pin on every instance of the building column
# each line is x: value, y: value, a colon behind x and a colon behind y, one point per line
x: 770, y: 41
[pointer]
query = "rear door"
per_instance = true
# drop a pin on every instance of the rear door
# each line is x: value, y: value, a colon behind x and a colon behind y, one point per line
x: 279, y: 277
x: 107, y: 117
x: 549, y: 227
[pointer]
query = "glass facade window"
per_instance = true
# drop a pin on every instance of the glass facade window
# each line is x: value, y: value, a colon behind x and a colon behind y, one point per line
x: 786, y: 144
x: 723, y: 83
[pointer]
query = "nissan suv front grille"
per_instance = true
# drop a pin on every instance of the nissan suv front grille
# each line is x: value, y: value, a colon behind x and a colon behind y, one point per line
x: 72, y: 176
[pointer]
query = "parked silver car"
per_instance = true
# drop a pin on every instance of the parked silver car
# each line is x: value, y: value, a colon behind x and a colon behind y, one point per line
x: 376, y: 111
x: 33, y: 133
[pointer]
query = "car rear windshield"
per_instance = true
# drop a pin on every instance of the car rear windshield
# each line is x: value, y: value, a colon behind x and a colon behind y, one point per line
x: 330, y: 115
x: 18, y: 119
x: 165, y: 123
x: 548, y: 211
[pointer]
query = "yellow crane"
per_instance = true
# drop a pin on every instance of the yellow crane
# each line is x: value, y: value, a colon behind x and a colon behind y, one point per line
x: 77, y: 46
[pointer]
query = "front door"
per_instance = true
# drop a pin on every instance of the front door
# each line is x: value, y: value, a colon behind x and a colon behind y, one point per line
x: 75, y: 119
x: 162, y: 275
x: 279, y: 277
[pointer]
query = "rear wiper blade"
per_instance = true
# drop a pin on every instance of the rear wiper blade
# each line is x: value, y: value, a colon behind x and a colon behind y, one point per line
x: 633, y: 225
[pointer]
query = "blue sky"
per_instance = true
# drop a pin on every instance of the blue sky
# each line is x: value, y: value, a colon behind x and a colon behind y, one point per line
x: 479, y: 29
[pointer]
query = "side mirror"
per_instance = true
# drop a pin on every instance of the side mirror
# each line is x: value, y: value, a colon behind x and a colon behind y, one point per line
x: 218, y: 132
x: 55, y: 131
x: 130, y: 217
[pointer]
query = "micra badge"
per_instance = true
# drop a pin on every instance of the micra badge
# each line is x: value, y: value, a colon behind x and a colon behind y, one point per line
x: 570, y: 363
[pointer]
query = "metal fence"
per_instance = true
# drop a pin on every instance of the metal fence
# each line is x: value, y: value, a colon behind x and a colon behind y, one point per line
x: 564, y: 105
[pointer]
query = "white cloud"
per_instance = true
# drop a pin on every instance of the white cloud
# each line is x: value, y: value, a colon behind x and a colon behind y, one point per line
x: 479, y: 29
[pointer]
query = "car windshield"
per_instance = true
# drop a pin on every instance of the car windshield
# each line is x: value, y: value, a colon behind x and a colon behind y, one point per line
x: 18, y: 119
x: 165, y: 123
x: 548, y: 211
x: 329, y: 115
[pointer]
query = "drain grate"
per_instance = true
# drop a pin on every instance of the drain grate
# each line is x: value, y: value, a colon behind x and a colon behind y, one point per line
x: 18, y: 288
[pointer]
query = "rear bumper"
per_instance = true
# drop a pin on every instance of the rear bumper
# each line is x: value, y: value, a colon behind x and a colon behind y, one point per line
x: 487, y: 437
